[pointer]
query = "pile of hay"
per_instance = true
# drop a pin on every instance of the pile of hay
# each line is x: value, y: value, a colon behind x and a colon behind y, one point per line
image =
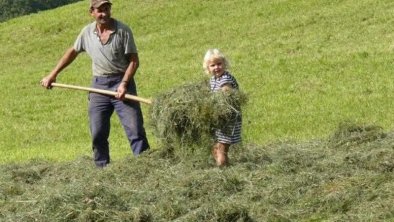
x: 188, y: 115
x: 349, y: 134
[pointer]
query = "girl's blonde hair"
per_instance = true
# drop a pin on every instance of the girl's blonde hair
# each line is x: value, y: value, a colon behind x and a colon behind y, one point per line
x: 213, y: 55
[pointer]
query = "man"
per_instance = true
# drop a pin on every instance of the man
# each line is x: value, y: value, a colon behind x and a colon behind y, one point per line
x: 111, y: 46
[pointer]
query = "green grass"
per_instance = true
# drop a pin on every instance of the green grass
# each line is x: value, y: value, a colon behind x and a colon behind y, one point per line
x: 307, y: 66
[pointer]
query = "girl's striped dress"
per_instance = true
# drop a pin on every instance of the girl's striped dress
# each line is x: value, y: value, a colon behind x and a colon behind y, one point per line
x: 229, y: 133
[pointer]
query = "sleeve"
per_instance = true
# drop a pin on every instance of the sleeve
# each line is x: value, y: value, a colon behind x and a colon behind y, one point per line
x: 79, y: 44
x: 226, y: 80
x: 130, y: 46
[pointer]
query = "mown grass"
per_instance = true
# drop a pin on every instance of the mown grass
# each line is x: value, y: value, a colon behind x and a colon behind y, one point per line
x: 306, y: 66
x: 346, y: 177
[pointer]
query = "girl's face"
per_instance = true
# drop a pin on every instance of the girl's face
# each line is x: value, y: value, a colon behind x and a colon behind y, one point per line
x: 216, y: 67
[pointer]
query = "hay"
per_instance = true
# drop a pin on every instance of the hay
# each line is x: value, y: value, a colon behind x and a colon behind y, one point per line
x: 281, y: 181
x: 187, y: 115
x: 349, y: 133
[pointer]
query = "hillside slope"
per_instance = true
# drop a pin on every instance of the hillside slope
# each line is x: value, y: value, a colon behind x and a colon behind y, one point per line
x: 306, y: 66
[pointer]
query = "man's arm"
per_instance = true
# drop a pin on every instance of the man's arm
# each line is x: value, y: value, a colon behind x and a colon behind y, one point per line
x: 67, y: 59
x: 129, y: 74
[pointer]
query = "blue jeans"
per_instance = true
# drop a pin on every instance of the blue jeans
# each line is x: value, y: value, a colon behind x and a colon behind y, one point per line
x: 101, y: 108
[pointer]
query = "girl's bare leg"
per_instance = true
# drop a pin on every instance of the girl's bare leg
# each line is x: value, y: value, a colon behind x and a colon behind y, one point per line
x: 219, y: 152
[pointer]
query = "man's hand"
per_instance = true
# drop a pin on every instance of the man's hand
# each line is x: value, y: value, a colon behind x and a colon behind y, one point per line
x: 47, y: 81
x: 121, y: 91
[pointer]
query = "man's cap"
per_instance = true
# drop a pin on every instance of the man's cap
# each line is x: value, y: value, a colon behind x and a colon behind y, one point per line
x: 98, y: 3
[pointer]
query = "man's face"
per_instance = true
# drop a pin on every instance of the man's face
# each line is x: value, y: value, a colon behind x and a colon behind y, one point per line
x: 102, y: 14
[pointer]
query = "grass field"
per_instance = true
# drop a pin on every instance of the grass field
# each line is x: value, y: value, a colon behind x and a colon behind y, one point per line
x: 307, y: 66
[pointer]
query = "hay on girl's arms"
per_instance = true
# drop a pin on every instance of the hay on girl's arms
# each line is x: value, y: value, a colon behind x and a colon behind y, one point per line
x: 188, y: 114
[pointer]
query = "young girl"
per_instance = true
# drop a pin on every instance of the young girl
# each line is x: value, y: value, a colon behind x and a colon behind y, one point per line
x: 216, y: 65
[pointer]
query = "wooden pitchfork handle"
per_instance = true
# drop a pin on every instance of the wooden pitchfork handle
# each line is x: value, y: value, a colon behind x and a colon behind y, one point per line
x: 102, y: 91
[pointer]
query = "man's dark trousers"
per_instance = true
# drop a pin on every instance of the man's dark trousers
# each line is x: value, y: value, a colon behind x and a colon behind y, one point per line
x: 101, y: 108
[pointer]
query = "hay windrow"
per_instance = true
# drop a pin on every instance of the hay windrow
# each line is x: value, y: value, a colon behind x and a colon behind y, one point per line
x: 187, y: 115
x: 349, y: 133
x: 280, y: 181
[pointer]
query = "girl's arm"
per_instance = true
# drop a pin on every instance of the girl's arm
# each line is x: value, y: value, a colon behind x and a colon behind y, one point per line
x: 226, y: 87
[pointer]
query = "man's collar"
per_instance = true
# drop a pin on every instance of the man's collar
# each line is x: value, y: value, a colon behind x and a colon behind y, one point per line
x: 113, y: 27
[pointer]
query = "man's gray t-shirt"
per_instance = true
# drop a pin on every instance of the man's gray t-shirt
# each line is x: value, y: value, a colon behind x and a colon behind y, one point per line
x: 108, y: 58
